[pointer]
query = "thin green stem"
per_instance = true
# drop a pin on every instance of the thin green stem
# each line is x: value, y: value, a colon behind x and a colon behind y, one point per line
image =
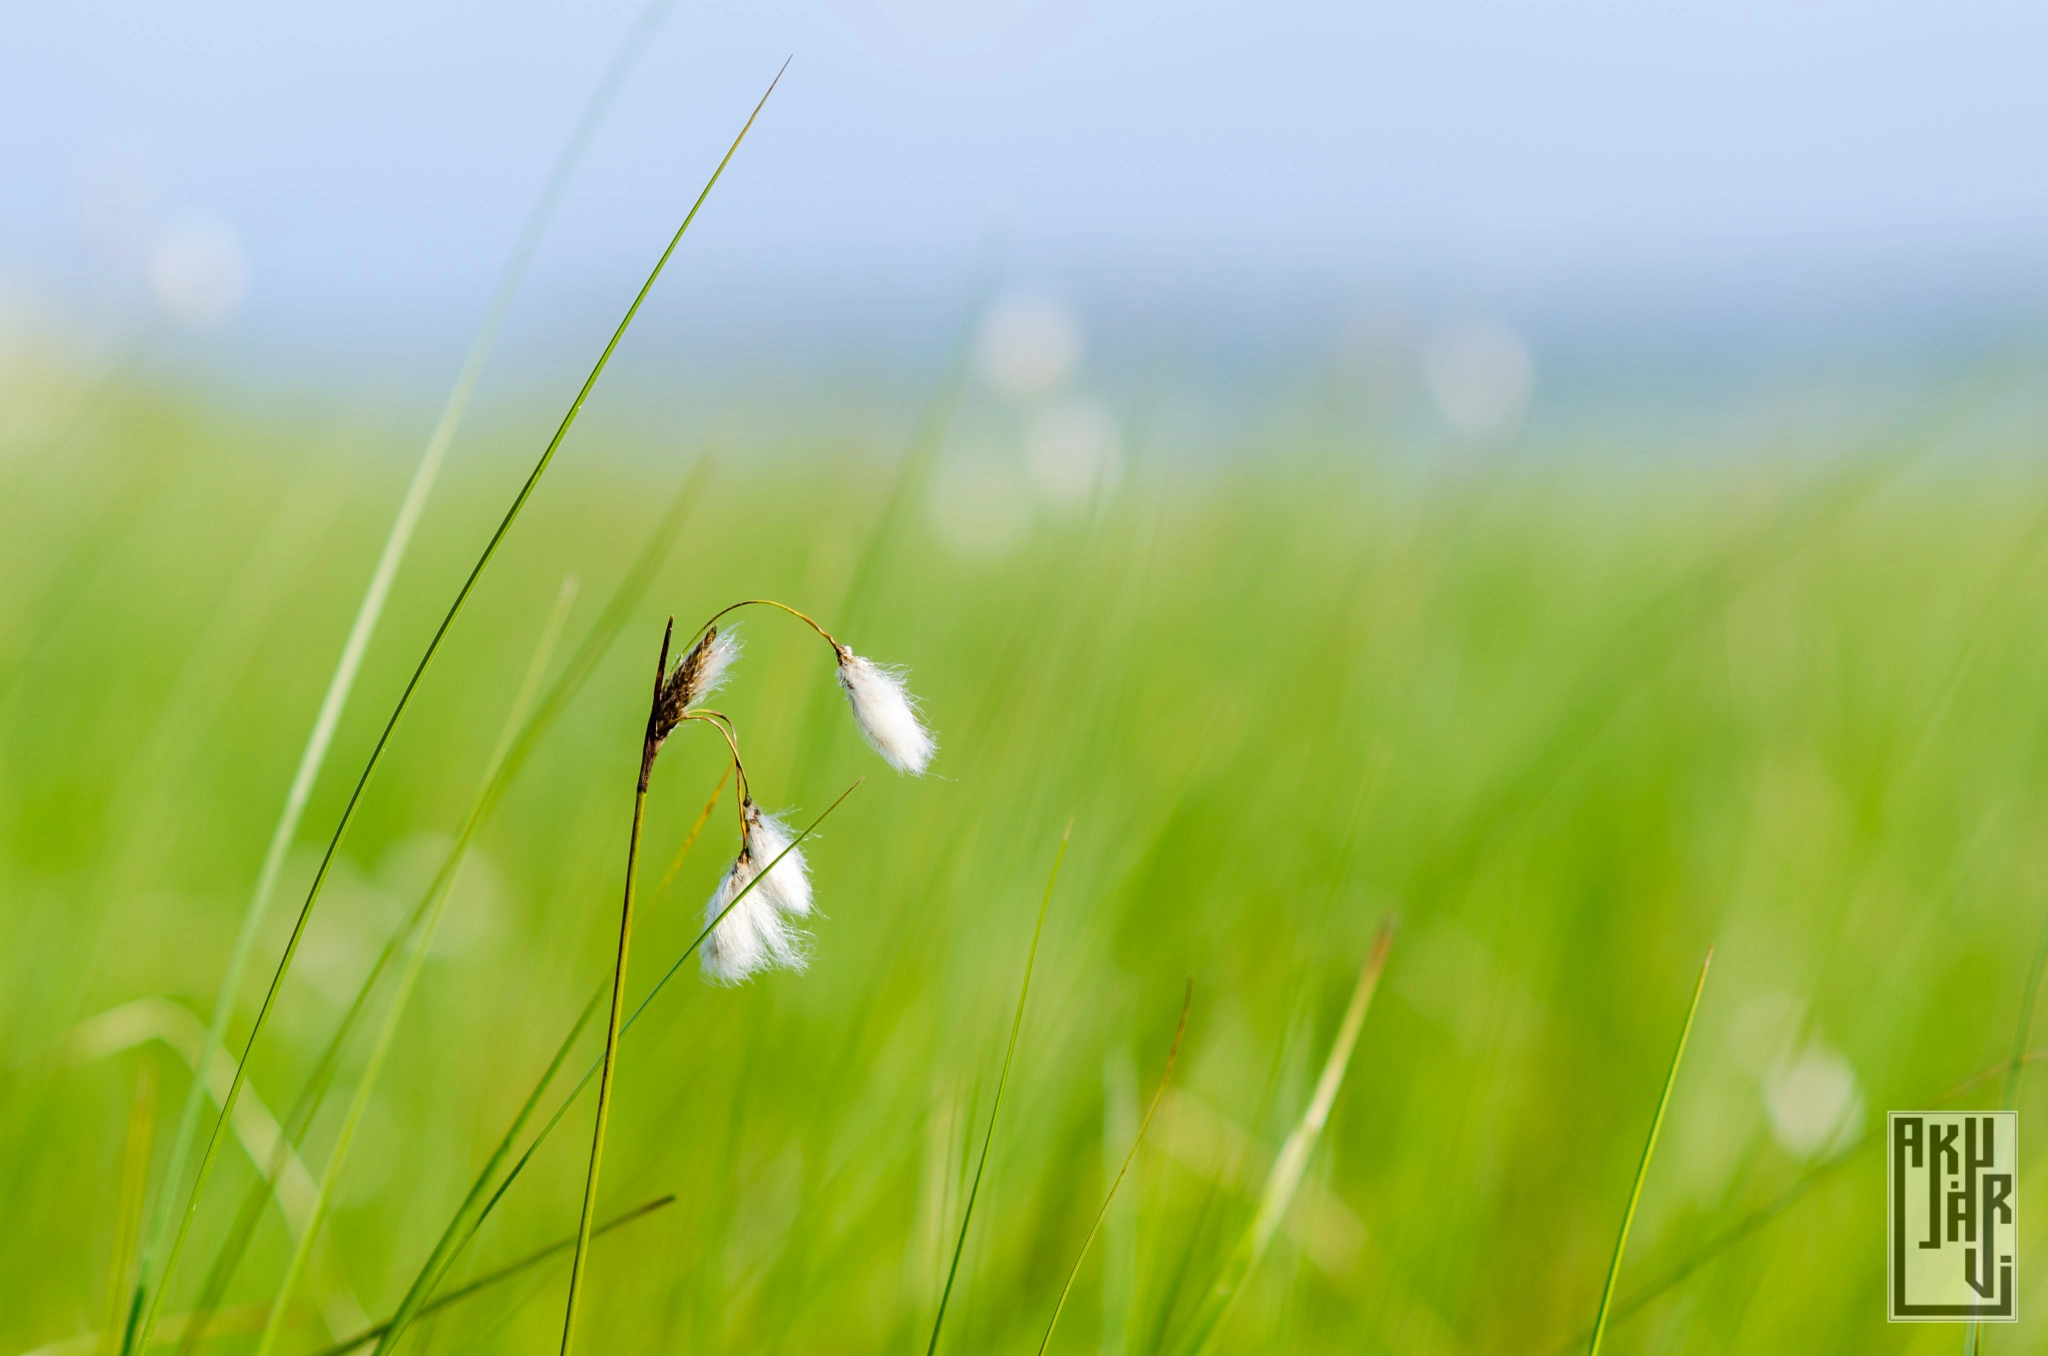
x: 1002, y: 1080
x: 1764, y: 1214
x: 445, y: 1248
x: 395, y: 1010
x: 650, y: 746
x: 1165, y: 1077
x: 1635, y: 1194
x: 596, y: 642
x: 722, y: 723
x: 803, y: 617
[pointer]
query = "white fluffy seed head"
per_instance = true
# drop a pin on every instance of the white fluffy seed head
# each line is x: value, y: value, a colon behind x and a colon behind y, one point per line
x: 719, y: 654
x: 695, y: 677
x: 886, y: 713
x: 751, y: 937
x: 788, y: 881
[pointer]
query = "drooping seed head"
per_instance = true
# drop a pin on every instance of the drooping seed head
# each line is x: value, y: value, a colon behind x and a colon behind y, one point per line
x: 886, y: 713
x: 750, y: 936
x: 787, y: 878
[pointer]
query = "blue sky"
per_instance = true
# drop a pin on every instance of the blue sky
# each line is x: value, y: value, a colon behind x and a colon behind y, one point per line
x: 384, y: 153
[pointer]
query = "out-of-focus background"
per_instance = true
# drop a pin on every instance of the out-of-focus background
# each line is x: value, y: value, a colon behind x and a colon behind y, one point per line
x: 1569, y: 476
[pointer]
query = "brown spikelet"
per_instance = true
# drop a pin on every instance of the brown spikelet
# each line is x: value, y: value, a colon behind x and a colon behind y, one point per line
x: 684, y: 686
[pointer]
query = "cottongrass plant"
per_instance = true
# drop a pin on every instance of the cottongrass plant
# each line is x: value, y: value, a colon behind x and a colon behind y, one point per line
x: 750, y: 920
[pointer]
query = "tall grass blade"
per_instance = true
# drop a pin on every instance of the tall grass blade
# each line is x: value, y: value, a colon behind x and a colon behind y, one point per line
x: 433, y: 649
x: 1002, y: 1079
x: 413, y: 1303
x: 462, y: 1228
x: 368, y: 613
x: 1284, y: 1178
x: 596, y: 642
x: 423, y: 940
x: 1756, y: 1219
x: 1635, y: 1194
x: 1164, y: 1078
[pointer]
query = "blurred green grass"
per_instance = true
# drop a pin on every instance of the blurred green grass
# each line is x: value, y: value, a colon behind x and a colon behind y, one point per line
x: 1573, y: 719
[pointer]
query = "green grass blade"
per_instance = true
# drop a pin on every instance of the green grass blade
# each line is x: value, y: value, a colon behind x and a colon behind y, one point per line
x: 414, y: 1302
x: 433, y: 649
x: 1764, y: 1214
x: 337, y: 1158
x: 1102, y: 1214
x: 370, y: 611
x: 1284, y: 1178
x: 988, y: 1139
x: 1635, y: 1194
x: 596, y: 642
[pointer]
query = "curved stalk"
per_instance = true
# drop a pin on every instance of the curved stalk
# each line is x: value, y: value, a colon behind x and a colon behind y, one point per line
x: 803, y: 617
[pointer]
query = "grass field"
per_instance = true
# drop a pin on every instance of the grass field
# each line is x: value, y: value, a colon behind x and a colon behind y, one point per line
x: 1573, y: 720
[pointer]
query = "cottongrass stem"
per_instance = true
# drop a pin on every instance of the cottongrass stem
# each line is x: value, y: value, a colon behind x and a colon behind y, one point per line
x: 650, y: 745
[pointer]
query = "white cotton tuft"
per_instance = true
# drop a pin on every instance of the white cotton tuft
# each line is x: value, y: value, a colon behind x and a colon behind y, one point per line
x: 718, y: 657
x: 788, y: 881
x: 752, y: 936
x: 696, y: 676
x: 886, y: 713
